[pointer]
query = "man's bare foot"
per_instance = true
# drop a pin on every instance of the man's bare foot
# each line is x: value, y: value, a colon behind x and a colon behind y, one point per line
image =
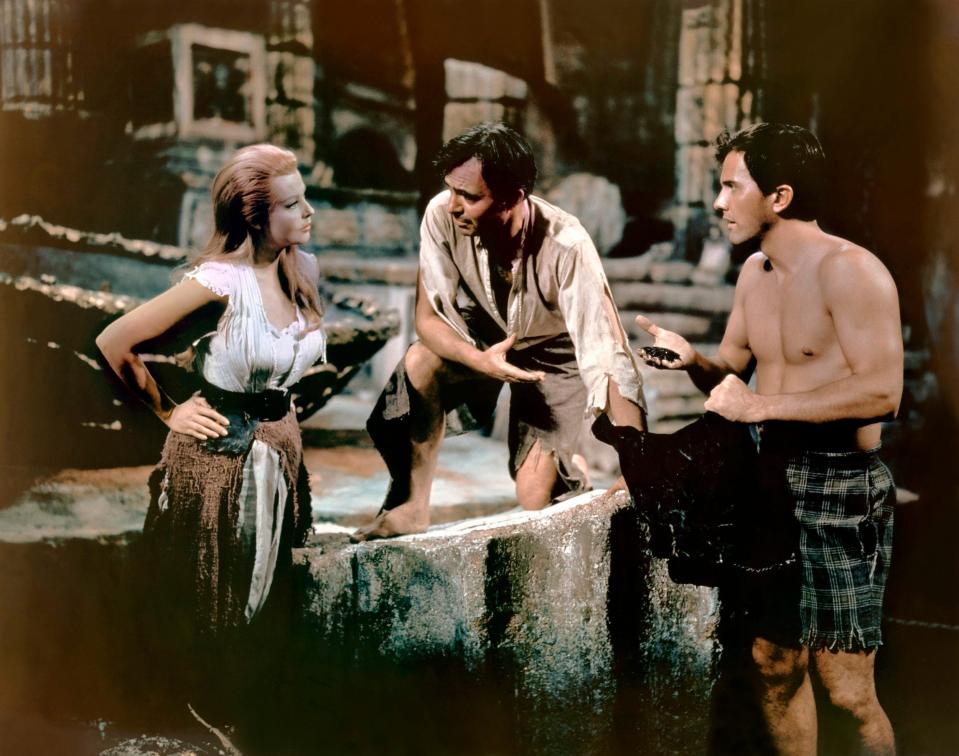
x: 403, y: 520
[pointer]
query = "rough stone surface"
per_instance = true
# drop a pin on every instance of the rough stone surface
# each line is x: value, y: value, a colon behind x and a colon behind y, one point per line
x: 627, y: 268
x: 384, y: 228
x: 598, y: 205
x: 333, y: 227
x: 695, y: 327
x: 673, y: 271
x: 540, y: 597
x: 468, y: 80
x: 458, y: 116
x: 401, y: 271
x: 32, y: 229
x: 714, y: 263
x: 688, y: 299
x: 689, y: 113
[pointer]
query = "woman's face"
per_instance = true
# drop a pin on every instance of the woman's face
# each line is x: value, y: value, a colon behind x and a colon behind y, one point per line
x: 291, y: 215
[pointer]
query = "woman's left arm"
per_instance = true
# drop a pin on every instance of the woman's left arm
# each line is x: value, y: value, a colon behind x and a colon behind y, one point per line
x: 118, y: 341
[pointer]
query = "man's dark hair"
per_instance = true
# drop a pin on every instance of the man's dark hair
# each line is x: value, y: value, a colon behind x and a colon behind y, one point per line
x: 507, y: 158
x: 780, y: 153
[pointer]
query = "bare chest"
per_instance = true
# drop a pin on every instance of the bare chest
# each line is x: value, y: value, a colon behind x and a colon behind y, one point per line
x: 788, y: 322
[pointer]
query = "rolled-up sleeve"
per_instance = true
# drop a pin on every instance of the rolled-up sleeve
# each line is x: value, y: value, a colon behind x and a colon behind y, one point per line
x: 602, y: 349
x: 438, y: 272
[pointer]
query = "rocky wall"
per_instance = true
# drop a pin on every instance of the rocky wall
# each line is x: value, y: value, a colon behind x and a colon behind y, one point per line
x: 564, y: 604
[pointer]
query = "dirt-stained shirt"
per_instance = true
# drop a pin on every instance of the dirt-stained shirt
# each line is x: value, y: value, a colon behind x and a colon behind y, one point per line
x: 558, y: 287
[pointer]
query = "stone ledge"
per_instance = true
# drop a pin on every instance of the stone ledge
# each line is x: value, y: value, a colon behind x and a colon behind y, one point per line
x: 645, y: 297
x: 559, y: 600
x: 389, y: 270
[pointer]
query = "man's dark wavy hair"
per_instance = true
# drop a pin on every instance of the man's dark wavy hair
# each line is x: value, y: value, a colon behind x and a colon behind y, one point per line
x: 507, y: 158
x: 781, y: 153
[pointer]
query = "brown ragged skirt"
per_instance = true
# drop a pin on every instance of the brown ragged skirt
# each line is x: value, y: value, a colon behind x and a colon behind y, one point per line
x: 199, y: 564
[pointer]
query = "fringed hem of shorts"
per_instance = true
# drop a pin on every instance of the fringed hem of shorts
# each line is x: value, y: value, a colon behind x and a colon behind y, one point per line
x: 852, y: 642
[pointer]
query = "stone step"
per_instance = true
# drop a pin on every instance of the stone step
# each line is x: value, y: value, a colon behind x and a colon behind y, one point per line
x: 693, y: 327
x: 653, y: 297
x: 399, y: 271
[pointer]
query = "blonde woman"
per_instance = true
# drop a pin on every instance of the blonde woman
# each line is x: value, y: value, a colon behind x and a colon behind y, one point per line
x: 230, y: 497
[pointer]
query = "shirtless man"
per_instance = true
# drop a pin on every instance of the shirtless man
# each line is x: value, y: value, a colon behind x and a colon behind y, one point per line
x: 817, y: 318
x: 510, y: 290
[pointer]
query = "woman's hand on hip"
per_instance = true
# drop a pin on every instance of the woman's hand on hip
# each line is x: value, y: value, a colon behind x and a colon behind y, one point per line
x: 195, y: 417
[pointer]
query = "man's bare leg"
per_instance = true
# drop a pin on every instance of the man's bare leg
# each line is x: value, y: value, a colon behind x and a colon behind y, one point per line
x: 850, y: 681
x: 535, y: 478
x: 425, y: 372
x: 786, y: 697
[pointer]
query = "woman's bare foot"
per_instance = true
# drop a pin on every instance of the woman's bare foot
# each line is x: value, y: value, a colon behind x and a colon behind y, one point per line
x: 402, y: 520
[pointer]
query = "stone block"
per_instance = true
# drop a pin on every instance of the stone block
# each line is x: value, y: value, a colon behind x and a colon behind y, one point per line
x: 399, y: 271
x: 459, y: 116
x: 689, y: 114
x: 627, y: 268
x: 327, y: 593
x: 692, y: 327
x: 196, y: 219
x: 384, y: 228
x: 666, y: 383
x: 735, y: 57
x: 694, y: 32
x: 422, y: 599
x: 681, y: 171
x: 677, y: 407
x: 714, y: 262
x: 694, y: 169
x: 746, y: 115
x: 538, y: 597
x: 719, y: 47
x: 646, y: 297
x: 596, y: 202
x: 714, y: 111
x: 468, y: 80
x: 731, y: 107
x: 704, y: 53
x: 332, y: 226
x: 671, y: 271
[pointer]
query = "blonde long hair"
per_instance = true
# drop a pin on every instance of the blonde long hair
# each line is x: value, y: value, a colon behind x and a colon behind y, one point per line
x: 242, y: 200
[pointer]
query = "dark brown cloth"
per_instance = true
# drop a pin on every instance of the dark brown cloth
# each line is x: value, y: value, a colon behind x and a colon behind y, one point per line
x: 193, y: 540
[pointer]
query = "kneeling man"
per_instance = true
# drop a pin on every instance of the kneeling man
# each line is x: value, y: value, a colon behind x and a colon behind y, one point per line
x: 510, y: 289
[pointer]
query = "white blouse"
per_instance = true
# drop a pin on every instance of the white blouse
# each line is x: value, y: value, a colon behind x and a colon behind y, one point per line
x: 248, y: 353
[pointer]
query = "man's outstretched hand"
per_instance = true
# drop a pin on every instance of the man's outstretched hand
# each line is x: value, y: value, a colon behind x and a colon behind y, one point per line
x: 492, y: 362
x: 670, y: 351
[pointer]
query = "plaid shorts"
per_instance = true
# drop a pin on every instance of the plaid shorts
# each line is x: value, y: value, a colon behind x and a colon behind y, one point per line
x: 843, y: 503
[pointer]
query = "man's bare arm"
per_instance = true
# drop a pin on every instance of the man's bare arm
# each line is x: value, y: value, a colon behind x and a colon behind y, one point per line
x: 864, y: 305
x: 734, y: 356
x: 440, y: 338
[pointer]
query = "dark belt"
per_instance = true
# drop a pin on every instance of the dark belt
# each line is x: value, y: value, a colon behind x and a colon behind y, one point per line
x: 269, y: 405
x: 790, y: 436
